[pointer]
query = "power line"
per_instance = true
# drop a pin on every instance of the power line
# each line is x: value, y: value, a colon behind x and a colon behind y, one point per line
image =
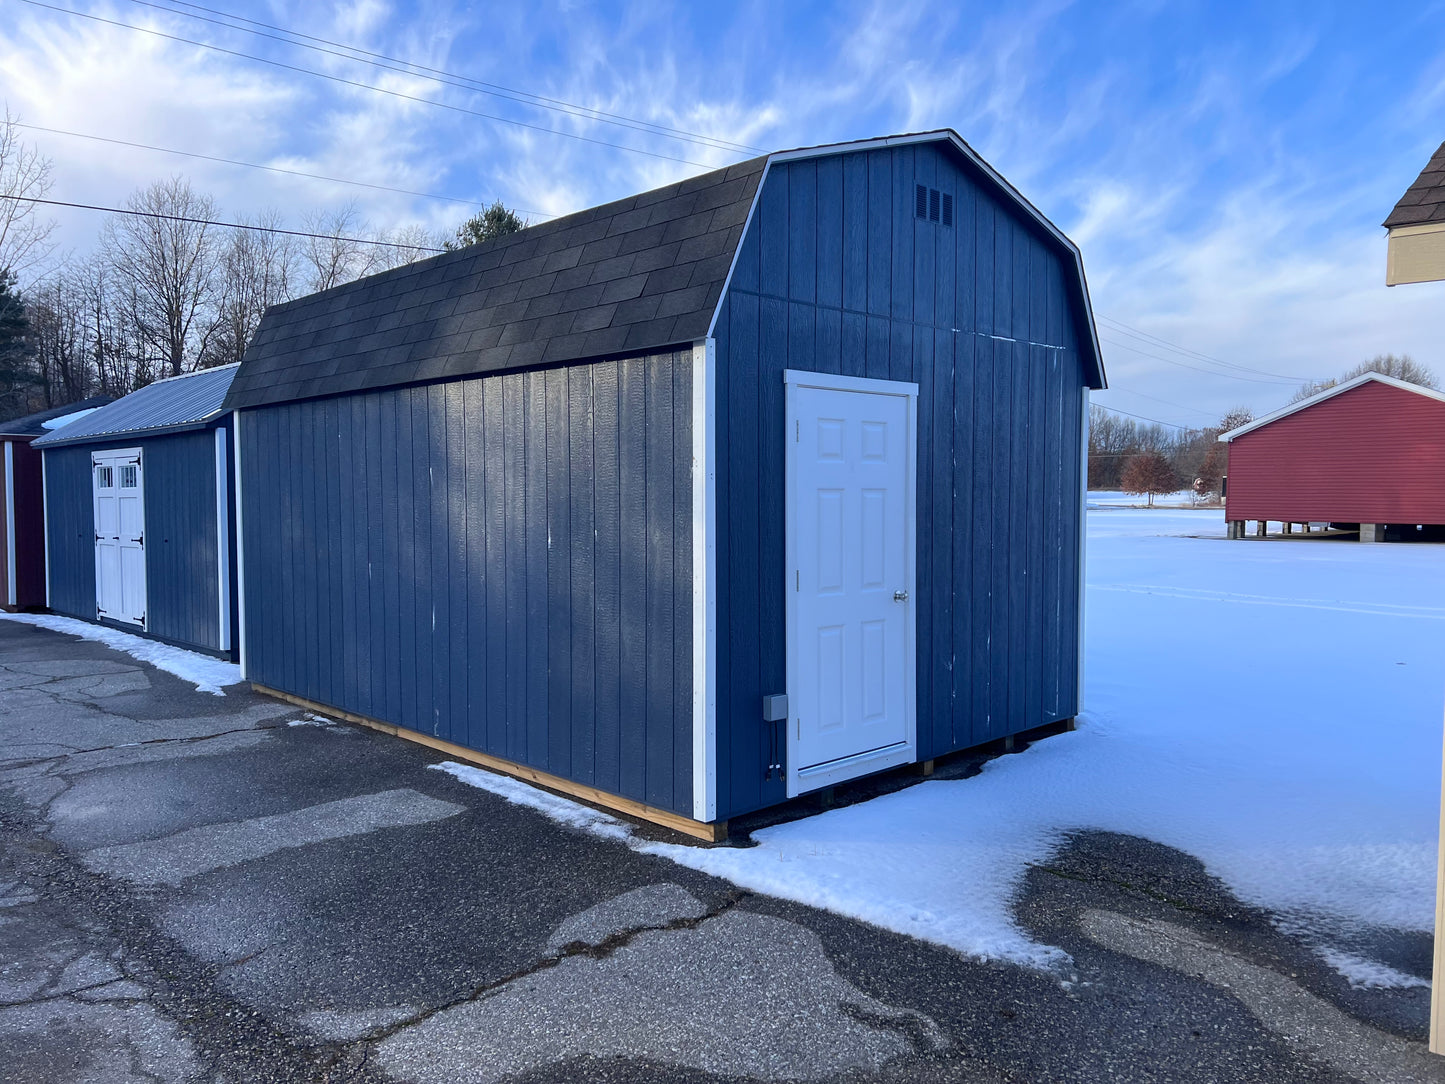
x: 1196, y: 368
x: 464, y: 82
x: 224, y: 225
x: 1165, y: 402
x: 367, y: 86
x: 1156, y: 421
x: 1119, y: 327
x: 271, y: 169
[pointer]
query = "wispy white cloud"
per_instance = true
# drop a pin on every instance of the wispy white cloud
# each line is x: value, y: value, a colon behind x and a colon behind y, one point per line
x: 1225, y: 171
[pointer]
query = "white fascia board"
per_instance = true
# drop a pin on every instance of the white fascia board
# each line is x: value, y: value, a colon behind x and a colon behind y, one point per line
x: 1330, y: 393
x: 704, y: 581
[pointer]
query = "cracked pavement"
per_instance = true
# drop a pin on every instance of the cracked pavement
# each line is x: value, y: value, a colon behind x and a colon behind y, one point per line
x: 192, y: 889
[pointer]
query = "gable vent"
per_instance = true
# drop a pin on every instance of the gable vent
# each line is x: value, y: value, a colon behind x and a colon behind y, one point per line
x: 931, y: 205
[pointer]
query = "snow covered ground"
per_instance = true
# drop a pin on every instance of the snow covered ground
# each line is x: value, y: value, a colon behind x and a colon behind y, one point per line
x: 1273, y: 708
x: 207, y: 674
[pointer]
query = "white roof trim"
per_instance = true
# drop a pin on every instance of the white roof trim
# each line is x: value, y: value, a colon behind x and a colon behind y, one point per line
x: 1330, y: 393
x: 946, y: 135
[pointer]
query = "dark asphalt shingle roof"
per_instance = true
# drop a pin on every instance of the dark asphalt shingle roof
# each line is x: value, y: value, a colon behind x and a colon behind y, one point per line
x: 33, y: 425
x: 631, y: 276
x: 1423, y: 201
x: 176, y: 402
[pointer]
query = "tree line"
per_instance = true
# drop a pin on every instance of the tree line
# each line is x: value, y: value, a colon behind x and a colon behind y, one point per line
x: 165, y: 289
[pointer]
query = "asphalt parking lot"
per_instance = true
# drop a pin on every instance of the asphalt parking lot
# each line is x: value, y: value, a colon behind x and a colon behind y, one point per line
x: 203, y: 888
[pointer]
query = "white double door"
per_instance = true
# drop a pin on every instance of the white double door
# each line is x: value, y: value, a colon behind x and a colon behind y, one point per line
x: 851, y: 454
x: 118, y: 485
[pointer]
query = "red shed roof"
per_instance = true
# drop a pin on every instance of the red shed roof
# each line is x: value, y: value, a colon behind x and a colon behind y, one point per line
x: 1330, y: 393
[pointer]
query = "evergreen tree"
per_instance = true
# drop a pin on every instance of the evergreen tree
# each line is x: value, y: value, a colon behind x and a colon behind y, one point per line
x: 18, y: 379
x: 495, y: 221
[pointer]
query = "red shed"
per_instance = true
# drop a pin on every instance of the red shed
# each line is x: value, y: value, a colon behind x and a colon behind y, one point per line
x: 1370, y: 451
x: 22, y: 504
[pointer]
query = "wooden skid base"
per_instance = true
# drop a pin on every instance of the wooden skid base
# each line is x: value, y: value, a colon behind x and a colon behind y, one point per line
x: 711, y: 833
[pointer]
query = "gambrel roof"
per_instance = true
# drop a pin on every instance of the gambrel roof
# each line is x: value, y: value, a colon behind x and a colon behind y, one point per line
x: 630, y: 277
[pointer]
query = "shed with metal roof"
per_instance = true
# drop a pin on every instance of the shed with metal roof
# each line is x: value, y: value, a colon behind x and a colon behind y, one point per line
x: 139, y: 503
x: 692, y: 502
x: 22, y: 504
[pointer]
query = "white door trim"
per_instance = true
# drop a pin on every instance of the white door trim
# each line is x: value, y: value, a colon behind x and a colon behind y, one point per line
x: 704, y: 582
x: 116, y: 457
x: 850, y: 767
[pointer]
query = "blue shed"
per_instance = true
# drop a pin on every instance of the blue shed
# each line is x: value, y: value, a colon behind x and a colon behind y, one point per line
x: 139, y: 502
x: 692, y: 502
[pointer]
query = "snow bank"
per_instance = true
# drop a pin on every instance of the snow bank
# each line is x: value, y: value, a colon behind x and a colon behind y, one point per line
x: 1272, y: 708
x: 207, y: 674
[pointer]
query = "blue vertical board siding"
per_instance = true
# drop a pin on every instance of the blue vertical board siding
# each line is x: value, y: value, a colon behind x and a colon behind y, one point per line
x: 70, y: 531
x: 182, y: 551
x: 528, y: 542
x: 607, y: 568
x: 976, y: 314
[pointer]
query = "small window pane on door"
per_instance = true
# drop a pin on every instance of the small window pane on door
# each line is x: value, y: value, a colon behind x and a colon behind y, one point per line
x: 104, y: 477
x: 127, y: 476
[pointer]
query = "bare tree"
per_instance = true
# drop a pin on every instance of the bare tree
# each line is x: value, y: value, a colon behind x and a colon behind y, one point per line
x: 24, y: 177
x: 336, y: 254
x: 405, y: 245
x: 1400, y: 366
x: 166, y: 257
x: 58, y: 335
x: 258, y: 270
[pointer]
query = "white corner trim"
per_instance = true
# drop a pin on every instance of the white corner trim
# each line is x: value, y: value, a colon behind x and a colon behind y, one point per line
x: 704, y: 582
x: 240, y: 545
x: 45, y: 522
x: 1330, y: 393
x: 1083, y: 533
x: 223, y: 547
x: 10, y: 588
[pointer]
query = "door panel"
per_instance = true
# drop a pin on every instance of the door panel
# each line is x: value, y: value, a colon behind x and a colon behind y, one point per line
x: 850, y: 613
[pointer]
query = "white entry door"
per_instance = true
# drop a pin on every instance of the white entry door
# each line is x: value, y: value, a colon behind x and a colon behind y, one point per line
x: 120, y: 563
x: 851, y: 453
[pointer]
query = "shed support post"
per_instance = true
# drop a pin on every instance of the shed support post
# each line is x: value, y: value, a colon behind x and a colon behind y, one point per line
x: 1372, y: 532
x: 1261, y: 529
x: 1288, y: 527
x: 1305, y: 526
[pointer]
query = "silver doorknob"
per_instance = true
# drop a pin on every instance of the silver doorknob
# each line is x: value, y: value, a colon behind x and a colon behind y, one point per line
x: 900, y: 596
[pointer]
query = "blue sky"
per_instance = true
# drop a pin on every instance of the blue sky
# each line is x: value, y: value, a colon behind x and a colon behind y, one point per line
x: 1224, y: 167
